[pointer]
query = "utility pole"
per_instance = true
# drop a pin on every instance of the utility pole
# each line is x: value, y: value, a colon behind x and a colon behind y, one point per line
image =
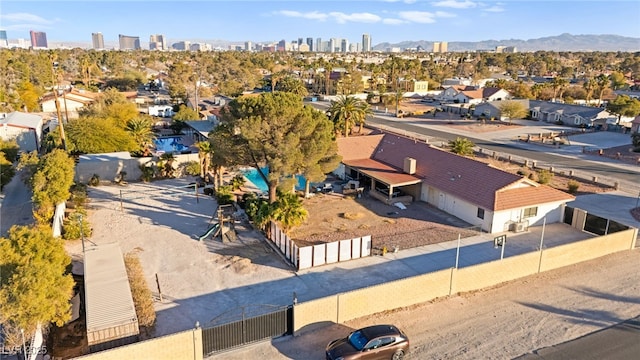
x: 54, y: 73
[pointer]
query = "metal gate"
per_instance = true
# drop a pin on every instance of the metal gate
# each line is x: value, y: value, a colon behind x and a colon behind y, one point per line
x: 226, y: 336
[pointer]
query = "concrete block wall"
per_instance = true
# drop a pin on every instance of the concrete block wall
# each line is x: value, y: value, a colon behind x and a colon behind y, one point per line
x: 494, y: 272
x: 186, y: 345
x: 569, y: 254
x: 393, y: 295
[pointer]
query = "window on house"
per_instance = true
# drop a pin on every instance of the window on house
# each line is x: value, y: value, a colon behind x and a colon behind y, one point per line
x: 530, y: 212
x: 534, y: 114
x: 480, y: 213
x: 576, y: 120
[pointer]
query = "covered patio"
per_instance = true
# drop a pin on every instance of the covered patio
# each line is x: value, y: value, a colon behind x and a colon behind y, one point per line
x: 385, y: 183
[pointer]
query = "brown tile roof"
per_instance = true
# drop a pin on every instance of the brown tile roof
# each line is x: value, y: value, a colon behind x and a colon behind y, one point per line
x: 382, y: 172
x: 471, y: 180
x: 529, y: 196
x: 358, y: 147
x: 473, y: 94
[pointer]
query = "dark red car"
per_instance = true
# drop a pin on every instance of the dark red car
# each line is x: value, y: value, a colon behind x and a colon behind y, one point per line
x: 371, y: 343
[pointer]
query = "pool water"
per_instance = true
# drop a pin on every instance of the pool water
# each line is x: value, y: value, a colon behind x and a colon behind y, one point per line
x: 252, y: 175
x: 170, y: 144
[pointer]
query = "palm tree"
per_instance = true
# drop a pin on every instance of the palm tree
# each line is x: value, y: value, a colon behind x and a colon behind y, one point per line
x: 603, y: 82
x: 288, y: 211
x: 590, y: 86
x: 348, y: 111
x: 140, y: 129
x: 559, y: 84
x: 461, y: 146
x: 204, y: 154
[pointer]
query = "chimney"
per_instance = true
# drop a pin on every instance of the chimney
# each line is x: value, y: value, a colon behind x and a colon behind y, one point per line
x: 409, y: 165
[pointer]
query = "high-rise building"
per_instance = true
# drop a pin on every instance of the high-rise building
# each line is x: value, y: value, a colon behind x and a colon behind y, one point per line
x: 440, y: 47
x: 129, y: 42
x: 344, y: 45
x: 98, y: 40
x: 310, y: 43
x: 157, y: 42
x: 366, y: 43
x: 38, y: 39
x: 300, y: 41
x: 248, y: 46
x: 319, y: 47
x: 333, y: 44
x: 4, y: 41
x: 182, y: 45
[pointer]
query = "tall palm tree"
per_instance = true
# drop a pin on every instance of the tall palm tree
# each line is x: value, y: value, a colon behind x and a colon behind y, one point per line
x: 590, y: 86
x: 348, y: 111
x: 604, y: 83
x: 204, y: 154
x: 140, y: 129
x: 559, y: 84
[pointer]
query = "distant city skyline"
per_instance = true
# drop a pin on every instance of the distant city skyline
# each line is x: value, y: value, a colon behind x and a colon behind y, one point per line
x: 258, y: 21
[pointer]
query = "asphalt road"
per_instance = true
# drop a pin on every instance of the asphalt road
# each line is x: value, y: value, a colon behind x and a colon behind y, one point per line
x: 601, y: 169
x: 620, y: 342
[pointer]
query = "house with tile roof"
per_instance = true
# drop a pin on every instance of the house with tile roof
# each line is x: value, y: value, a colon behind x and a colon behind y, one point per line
x: 547, y: 111
x: 70, y: 101
x: 24, y: 128
x: 395, y: 168
x: 481, y: 95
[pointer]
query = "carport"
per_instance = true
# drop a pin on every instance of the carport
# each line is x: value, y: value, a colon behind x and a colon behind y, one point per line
x: 386, y: 182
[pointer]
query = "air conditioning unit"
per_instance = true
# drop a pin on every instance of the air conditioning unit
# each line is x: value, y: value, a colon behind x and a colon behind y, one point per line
x: 519, y: 227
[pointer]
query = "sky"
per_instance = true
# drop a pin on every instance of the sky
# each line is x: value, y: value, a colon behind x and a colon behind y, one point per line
x: 390, y: 21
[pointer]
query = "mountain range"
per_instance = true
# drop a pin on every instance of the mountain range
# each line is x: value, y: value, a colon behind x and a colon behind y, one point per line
x: 562, y: 42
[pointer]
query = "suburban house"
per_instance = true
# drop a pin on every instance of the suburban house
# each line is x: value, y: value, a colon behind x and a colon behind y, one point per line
x: 547, y: 111
x: 394, y: 168
x: 449, y: 92
x: 24, y: 128
x: 480, y: 95
x: 69, y: 101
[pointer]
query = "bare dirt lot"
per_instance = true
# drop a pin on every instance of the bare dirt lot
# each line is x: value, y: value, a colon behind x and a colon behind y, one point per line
x: 336, y: 217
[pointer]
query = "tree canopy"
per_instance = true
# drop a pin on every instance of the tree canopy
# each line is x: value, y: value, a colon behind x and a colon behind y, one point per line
x: 51, y: 183
x: 513, y: 110
x: 35, y: 287
x: 272, y: 130
x: 623, y: 105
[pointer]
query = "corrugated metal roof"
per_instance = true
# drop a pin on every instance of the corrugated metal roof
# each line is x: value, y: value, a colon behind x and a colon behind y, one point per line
x: 107, y: 292
x: 21, y: 119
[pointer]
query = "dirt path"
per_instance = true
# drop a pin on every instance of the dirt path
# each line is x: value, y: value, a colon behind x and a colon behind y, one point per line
x: 503, y: 322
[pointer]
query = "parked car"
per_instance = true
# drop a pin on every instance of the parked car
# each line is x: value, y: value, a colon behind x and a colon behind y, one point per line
x: 373, y: 342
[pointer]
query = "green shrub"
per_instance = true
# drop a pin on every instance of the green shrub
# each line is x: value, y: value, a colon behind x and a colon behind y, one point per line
x: 76, y: 226
x: 224, y: 195
x: 192, y: 168
x: 147, y: 173
x: 78, y: 195
x: 545, y: 176
x: 573, y: 186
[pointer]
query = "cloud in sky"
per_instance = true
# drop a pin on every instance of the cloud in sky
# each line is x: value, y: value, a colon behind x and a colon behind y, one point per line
x: 343, y: 18
x: 466, y: 4
x: 25, y: 21
x: 403, y: 17
x: 314, y: 15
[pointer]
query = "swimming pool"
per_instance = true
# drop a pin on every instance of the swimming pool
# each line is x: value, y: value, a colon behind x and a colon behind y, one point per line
x: 252, y: 175
x: 170, y: 144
